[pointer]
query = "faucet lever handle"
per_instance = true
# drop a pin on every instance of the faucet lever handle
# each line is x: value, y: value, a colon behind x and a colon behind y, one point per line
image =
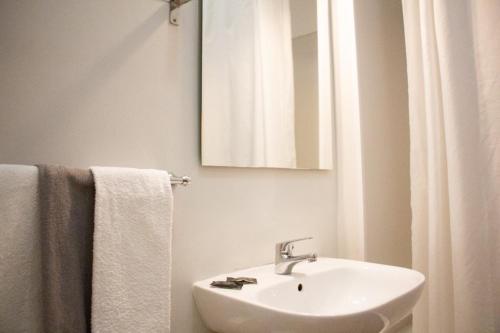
x: 285, y: 247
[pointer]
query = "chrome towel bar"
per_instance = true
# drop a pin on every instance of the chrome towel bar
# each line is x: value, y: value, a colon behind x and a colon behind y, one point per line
x: 176, y: 180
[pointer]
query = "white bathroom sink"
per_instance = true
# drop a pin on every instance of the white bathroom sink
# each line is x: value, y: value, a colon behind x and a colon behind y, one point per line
x: 329, y: 295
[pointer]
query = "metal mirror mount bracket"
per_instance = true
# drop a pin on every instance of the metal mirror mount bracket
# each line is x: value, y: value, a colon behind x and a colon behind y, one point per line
x: 174, y: 10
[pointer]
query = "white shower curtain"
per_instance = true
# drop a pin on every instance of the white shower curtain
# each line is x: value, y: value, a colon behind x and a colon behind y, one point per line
x: 453, y: 53
x: 248, y: 88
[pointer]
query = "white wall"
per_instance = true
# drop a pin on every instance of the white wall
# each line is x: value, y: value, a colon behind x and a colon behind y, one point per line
x: 385, y: 140
x: 304, y: 20
x: 110, y: 82
x: 372, y: 132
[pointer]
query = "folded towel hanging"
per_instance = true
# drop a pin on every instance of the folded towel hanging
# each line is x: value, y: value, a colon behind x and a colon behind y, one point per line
x: 132, y: 250
x: 20, y: 260
x: 66, y: 198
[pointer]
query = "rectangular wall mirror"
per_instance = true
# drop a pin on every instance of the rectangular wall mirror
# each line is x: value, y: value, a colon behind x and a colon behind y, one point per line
x: 267, y: 84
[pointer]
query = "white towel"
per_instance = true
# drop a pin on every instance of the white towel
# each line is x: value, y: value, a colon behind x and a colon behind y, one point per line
x: 20, y: 260
x: 132, y: 251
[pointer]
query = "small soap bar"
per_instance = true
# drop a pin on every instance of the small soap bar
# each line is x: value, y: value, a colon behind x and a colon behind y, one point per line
x: 242, y: 280
x: 227, y: 284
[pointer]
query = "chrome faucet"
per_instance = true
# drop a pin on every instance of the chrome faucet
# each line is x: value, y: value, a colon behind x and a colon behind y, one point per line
x: 285, y: 260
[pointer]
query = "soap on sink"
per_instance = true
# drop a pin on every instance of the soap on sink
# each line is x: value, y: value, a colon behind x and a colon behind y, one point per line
x: 242, y: 280
x: 226, y: 284
x: 234, y: 283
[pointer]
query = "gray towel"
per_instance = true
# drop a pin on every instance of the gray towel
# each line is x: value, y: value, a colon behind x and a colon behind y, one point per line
x: 67, y: 225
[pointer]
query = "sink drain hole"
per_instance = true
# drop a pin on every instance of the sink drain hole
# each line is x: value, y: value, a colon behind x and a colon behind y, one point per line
x: 299, y: 287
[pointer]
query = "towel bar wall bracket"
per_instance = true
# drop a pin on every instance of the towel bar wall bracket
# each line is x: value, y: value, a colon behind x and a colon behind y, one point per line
x: 176, y: 180
x: 174, y: 8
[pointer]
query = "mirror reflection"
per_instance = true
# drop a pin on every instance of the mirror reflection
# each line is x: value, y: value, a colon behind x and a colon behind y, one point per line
x: 266, y: 84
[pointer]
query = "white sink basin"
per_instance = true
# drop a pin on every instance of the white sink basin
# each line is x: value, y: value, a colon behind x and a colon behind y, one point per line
x: 336, y: 296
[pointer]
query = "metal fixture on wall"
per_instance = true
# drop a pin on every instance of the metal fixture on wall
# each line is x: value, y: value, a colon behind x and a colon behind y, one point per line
x: 176, y: 180
x: 174, y: 6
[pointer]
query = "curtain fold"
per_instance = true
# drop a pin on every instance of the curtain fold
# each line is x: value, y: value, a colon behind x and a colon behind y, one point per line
x: 453, y: 57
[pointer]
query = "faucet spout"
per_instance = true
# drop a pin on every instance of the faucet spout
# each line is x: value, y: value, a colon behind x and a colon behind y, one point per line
x: 285, y: 260
x: 311, y: 257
